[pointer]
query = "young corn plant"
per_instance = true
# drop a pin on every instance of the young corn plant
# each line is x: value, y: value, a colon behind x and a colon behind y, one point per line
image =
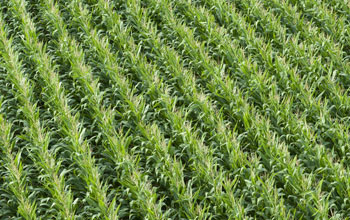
x: 319, y: 123
x: 106, y: 56
x: 116, y: 143
x: 328, y: 159
x: 39, y: 138
x: 71, y: 127
x: 15, y: 175
x: 174, y: 25
x: 265, y: 101
x: 308, y: 103
x: 324, y: 18
x: 138, y: 15
x: 331, y: 52
x: 200, y: 109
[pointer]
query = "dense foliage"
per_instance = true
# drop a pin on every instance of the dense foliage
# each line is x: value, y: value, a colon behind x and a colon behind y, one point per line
x: 174, y: 109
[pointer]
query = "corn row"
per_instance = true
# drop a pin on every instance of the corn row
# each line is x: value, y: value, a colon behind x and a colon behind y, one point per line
x: 177, y: 118
x: 39, y: 138
x: 116, y: 23
x: 330, y: 51
x: 311, y: 102
x: 336, y: 170
x: 300, y: 86
x: 15, y: 173
x: 110, y: 28
x: 71, y: 127
x: 106, y: 57
x: 116, y: 143
x: 318, y: 13
x: 164, y: 109
x: 185, y: 82
x: 184, y: 35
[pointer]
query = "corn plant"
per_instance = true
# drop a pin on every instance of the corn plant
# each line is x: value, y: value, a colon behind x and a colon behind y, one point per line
x: 42, y: 156
x: 15, y: 175
x: 163, y: 109
x: 69, y: 122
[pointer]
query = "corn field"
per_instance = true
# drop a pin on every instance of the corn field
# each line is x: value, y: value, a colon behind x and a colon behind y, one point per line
x: 164, y: 109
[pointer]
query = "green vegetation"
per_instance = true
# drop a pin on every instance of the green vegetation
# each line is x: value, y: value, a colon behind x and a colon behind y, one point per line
x: 164, y: 109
